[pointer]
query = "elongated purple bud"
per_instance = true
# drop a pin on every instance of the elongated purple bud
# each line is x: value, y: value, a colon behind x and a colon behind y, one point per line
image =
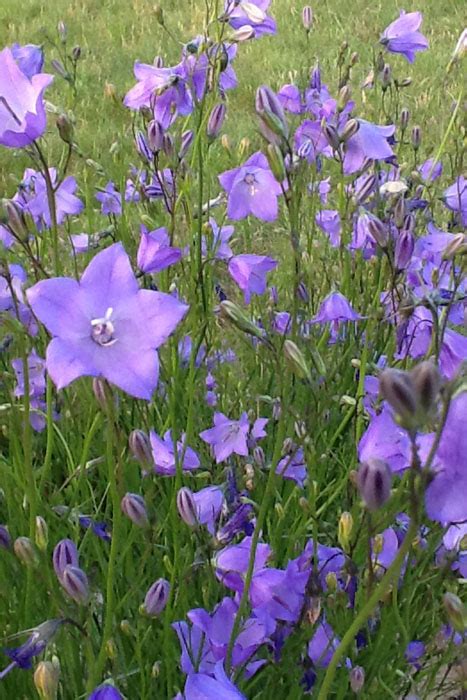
x: 155, y: 136
x: 427, y: 382
x: 416, y: 137
x: 140, y: 447
x: 307, y: 18
x: 75, y: 584
x: 156, y: 598
x: 404, y: 118
x: 134, y: 507
x: 187, y: 507
x: 102, y: 391
x: 332, y: 137
x: 187, y: 140
x: 350, y: 129
x: 365, y: 188
x: 386, y: 76
x: 398, y: 389
x: 216, y: 120
x: 374, y: 483
x: 399, y: 212
x: 142, y: 147
x: 303, y: 293
x: 65, y: 554
x: 168, y: 145
x: 379, y: 231
x: 271, y: 112
x: 357, y: 679
x: 315, y: 78
x: 405, y: 245
x: 5, y: 537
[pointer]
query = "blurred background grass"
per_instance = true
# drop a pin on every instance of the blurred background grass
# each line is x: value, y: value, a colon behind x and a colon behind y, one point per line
x: 114, y: 33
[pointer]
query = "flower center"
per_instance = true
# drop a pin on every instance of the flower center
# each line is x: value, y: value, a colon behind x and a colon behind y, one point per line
x: 102, y: 329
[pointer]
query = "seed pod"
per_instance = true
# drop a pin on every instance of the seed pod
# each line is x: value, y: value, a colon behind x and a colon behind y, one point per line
x: 187, y: 507
x: 398, y: 389
x: 25, y: 551
x: 134, y: 507
x: 75, y: 584
x: 42, y: 533
x: 344, y: 530
x: 456, y: 612
x: 374, y: 483
x: 296, y: 360
x: 156, y: 598
x: 46, y: 680
x: 427, y: 383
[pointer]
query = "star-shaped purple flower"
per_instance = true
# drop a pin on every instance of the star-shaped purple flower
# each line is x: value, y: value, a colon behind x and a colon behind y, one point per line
x: 227, y: 436
x: 249, y: 272
x: 252, y: 189
x: 105, y: 325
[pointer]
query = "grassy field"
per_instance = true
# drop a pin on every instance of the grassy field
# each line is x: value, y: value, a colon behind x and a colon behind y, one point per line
x: 113, y: 34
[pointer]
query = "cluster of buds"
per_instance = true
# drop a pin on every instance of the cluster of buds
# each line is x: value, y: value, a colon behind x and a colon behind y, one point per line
x: 72, y: 579
x: 413, y: 395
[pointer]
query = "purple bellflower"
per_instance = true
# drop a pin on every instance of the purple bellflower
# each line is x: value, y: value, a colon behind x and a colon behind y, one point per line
x: 216, y: 244
x: 155, y: 252
x: 336, y: 309
x: 402, y: 36
x: 66, y: 202
x: 105, y: 692
x: 227, y: 437
x: 249, y: 272
x: 252, y: 189
x: 105, y: 325
x: 110, y: 199
x: 22, y: 111
x: 30, y: 58
x: 21, y: 657
x: 202, y: 686
x: 455, y: 198
x: 370, y: 141
x: 251, y: 13
x: 163, y: 453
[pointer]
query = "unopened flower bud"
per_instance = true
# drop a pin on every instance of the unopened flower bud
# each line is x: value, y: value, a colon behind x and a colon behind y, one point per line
x: 215, y: 121
x: 405, y: 245
x: 254, y: 14
x: 156, y: 598
x: 378, y: 231
x: 399, y: 212
x: 405, y: 82
x: 59, y: 68
x: 456, y: 612
x: 259, y: 457
x: 65, y: 554
x: 273, y: 123
x: 457, y: 246
x: 229, y: 311
x: 65, y: 128
x: 331, y: 582
x: 276, y: 161
x: 427, y: 382
x: 404, y: 118
x: 374, y: 483
x: 187, y: 507
x: 5, y: 537
x: 155, y: 136
x: 353, y: 58
x: 76, y: 53
x: 25, y: 551
x: 416, y: 137
x: 15, y: 219
x: 350, y: 129
x: 102, y: 392
x: 42, y: 533
x: 315, y: 78
x: 159, y: 15
x: 142, y: 147
x: 332, y: 136
x: 140, y: 447
x: 134, y: 507
x: 357, y: 679
x: 343, y: 98
x: 75, y: 584
x: 344, y: 531
x: 307, y: 18
x: 296, y: 360
x: 62, y: 31
x: 398, y: 389
x: 303, y: 293
x: 187, y: 140
x: 168, y: 145
x: 46, y: 680
x: 243, y: 34
x: 127, y: 628
x: 386, y: 76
